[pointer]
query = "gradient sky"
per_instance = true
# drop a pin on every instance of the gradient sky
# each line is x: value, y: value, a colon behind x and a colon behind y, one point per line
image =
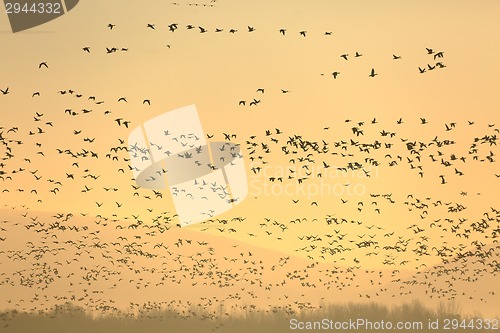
x: 217, y: 70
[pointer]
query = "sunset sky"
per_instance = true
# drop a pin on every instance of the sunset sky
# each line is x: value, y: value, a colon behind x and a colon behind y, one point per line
x: 217, y: 70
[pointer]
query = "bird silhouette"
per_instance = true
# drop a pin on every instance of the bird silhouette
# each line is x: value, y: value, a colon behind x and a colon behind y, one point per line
x: 174, y: 26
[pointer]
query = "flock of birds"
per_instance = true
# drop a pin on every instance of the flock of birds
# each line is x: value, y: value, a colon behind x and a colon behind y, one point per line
x: 436, y: 56
x: 74, y: 252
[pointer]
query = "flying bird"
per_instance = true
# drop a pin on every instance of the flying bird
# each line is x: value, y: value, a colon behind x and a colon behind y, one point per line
x: 438, y: 55
x: 172, y: 27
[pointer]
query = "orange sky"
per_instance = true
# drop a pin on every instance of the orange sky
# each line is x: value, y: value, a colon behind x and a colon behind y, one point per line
x: 217, y: 70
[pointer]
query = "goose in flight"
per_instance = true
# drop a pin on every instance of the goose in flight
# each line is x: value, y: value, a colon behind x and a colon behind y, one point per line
x: 251, y: 29
x: 335, y: 74
x: 43, y: 64
x: 396, y: 57
x: 152, y: 26
x: 5, y: 92
x: 438, y: 55
x: 372, y: 74
x: 303, y: 33
x: 283, y: 31
x: 111, y: 26
x: 345, y: 55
